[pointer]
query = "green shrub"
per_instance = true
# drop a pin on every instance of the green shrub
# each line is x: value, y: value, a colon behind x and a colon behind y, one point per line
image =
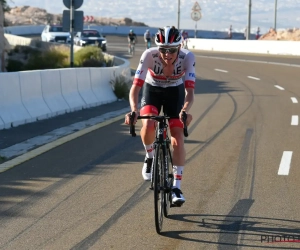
x: 14, y: 65
x: 92, y: 63
x: 120, y: 86
x: 88, y: 53
x: 50, y: 59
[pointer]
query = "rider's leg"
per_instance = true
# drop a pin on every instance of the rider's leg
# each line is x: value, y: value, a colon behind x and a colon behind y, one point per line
x: 148, y: 137
x: 149, y: 106
x: 177, y: 141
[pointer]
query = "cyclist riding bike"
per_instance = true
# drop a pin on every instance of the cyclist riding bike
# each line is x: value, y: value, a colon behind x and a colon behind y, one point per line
x: 160, y: 73
x: 132, y: 39
x: 147, y: 39
x: 185, y: 37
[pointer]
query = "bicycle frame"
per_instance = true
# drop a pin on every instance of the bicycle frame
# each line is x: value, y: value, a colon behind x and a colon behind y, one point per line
x: 161, y: 178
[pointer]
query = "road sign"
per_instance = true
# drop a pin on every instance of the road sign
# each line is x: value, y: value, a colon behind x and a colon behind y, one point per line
x: 196, y: 15
x: 88, y: 19
x: 77, y: 3
x: 78, y: 20
x: 196, y: 7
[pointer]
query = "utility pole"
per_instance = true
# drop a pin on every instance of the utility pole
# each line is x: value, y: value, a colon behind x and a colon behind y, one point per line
x: 178, y: 16
x: 275, y: 15
x: 249, y: 21
x: 72, y: 13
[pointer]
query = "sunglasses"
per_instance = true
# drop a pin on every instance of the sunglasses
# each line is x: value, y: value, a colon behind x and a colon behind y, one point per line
x: 168, y: 50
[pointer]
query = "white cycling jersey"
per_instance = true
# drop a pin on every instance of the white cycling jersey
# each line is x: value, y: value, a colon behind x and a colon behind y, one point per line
x: 150, y: 70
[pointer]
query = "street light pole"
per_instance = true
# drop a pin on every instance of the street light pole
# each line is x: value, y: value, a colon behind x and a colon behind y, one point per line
x: 275, y: 15
x: 249, y: 20
x: 178, y: 17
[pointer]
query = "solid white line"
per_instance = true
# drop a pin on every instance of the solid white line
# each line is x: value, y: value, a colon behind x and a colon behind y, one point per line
x: 285, y: 163
x: 294, y: 100
x: 254, y: 78
x: 295, y: 120
x: 244, y: 60
x: 221, y: 70
x: 277, y: 86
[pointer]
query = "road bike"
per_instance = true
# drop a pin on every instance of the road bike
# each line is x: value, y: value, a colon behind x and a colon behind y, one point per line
x: 148, y: 43
x: 162, y: 167
x: 131, y: 48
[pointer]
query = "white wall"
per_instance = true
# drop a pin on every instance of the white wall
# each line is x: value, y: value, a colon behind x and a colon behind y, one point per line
x: 247, y: 46
x: 29, y: 96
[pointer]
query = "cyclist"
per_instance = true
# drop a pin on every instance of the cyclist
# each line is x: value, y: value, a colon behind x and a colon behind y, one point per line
x: 185, y: 37
x: 160, y: 73
x: 132, y: 39
x: 147, y: 38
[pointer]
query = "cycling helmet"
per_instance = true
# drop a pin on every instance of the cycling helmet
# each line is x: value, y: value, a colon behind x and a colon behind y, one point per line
x: 130, y: 31
x: 168, y: 36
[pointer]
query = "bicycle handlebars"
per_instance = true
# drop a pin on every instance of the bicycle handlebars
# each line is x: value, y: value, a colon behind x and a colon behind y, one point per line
x: 157, y: 118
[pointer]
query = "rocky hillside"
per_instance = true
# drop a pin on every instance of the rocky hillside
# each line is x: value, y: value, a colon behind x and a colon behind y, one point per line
x: 282, y: 35
x: 26, y: 15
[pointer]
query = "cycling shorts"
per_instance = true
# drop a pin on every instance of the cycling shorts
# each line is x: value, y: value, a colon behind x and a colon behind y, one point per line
x: 171, y: 99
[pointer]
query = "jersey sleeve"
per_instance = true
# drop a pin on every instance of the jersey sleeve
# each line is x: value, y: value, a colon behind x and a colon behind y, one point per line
x: 190, y: 76
x: 146, y: 61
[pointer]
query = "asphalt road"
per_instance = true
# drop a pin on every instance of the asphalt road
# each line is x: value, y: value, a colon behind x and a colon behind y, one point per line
x: 240, y: 188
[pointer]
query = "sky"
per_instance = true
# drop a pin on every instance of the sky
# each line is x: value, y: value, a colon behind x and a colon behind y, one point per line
x: 216, y: 14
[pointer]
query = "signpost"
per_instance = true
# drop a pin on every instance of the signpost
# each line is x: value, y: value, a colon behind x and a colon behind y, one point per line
x: 196, y: 15
x: 75, y: 22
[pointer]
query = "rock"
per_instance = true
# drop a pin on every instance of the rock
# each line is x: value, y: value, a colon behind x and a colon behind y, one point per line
x: 26, y: 15
x: 282, y: 35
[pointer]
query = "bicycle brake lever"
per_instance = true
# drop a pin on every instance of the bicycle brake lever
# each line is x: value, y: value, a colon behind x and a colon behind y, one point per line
x: 132, y: 126
x: 184, y: 117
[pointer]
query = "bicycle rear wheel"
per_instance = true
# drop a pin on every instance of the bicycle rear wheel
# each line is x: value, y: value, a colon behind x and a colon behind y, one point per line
x: 158, y: 188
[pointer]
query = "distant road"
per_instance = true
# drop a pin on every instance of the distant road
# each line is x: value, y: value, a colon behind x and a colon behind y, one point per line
x: 241, y: 180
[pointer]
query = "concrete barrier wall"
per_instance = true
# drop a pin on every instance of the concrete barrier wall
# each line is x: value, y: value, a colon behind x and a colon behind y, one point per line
x: 29, y: 96
x: 247, y: 46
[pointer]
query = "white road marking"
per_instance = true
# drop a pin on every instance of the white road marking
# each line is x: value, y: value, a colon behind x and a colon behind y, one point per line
x: 285, y: 163
x: 294, y: 100
x: 295, y: 120
x: 221, y: 70
x: 254, y: 78
x: 277, y: 86
x: 25, y: 151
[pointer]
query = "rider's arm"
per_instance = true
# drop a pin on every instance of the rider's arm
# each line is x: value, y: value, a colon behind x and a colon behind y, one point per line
x: 189, y: 81
x: 134, y: 97
x: 139, y: 78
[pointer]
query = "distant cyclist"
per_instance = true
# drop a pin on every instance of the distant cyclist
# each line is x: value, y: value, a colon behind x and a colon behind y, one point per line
x: 185, y: 37
x: 166, y: 75
x: 132, y: 39
x: 147, y: 38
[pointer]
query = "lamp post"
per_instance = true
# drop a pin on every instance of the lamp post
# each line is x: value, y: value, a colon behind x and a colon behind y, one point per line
x: 275, y: 15
x: 178, y: 16
x: 249, y: 21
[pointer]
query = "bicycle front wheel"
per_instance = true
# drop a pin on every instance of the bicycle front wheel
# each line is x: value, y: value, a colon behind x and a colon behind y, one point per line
x: 168, y: 178
x: 158, y: 188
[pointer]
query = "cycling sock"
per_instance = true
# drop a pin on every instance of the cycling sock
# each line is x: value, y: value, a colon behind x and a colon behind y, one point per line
x: 149, y: 150
x: 177, y: 171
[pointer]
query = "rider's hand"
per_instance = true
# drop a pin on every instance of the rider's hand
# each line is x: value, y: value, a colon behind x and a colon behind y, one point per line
x: 189, y: 117
x: 128, y: 115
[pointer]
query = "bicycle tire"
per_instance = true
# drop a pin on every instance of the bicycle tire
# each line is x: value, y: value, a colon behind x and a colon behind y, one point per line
x: 169, y: 178
x: 158, y: 182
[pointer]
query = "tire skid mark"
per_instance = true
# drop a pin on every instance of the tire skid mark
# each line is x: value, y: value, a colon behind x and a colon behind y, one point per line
x: 136, y: 197
x: 19, y: 207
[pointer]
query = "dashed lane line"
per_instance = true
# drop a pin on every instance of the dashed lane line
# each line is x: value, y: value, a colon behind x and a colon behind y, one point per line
x: 285, y: 164
x: 279, y: 87
x: 294, y: 99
